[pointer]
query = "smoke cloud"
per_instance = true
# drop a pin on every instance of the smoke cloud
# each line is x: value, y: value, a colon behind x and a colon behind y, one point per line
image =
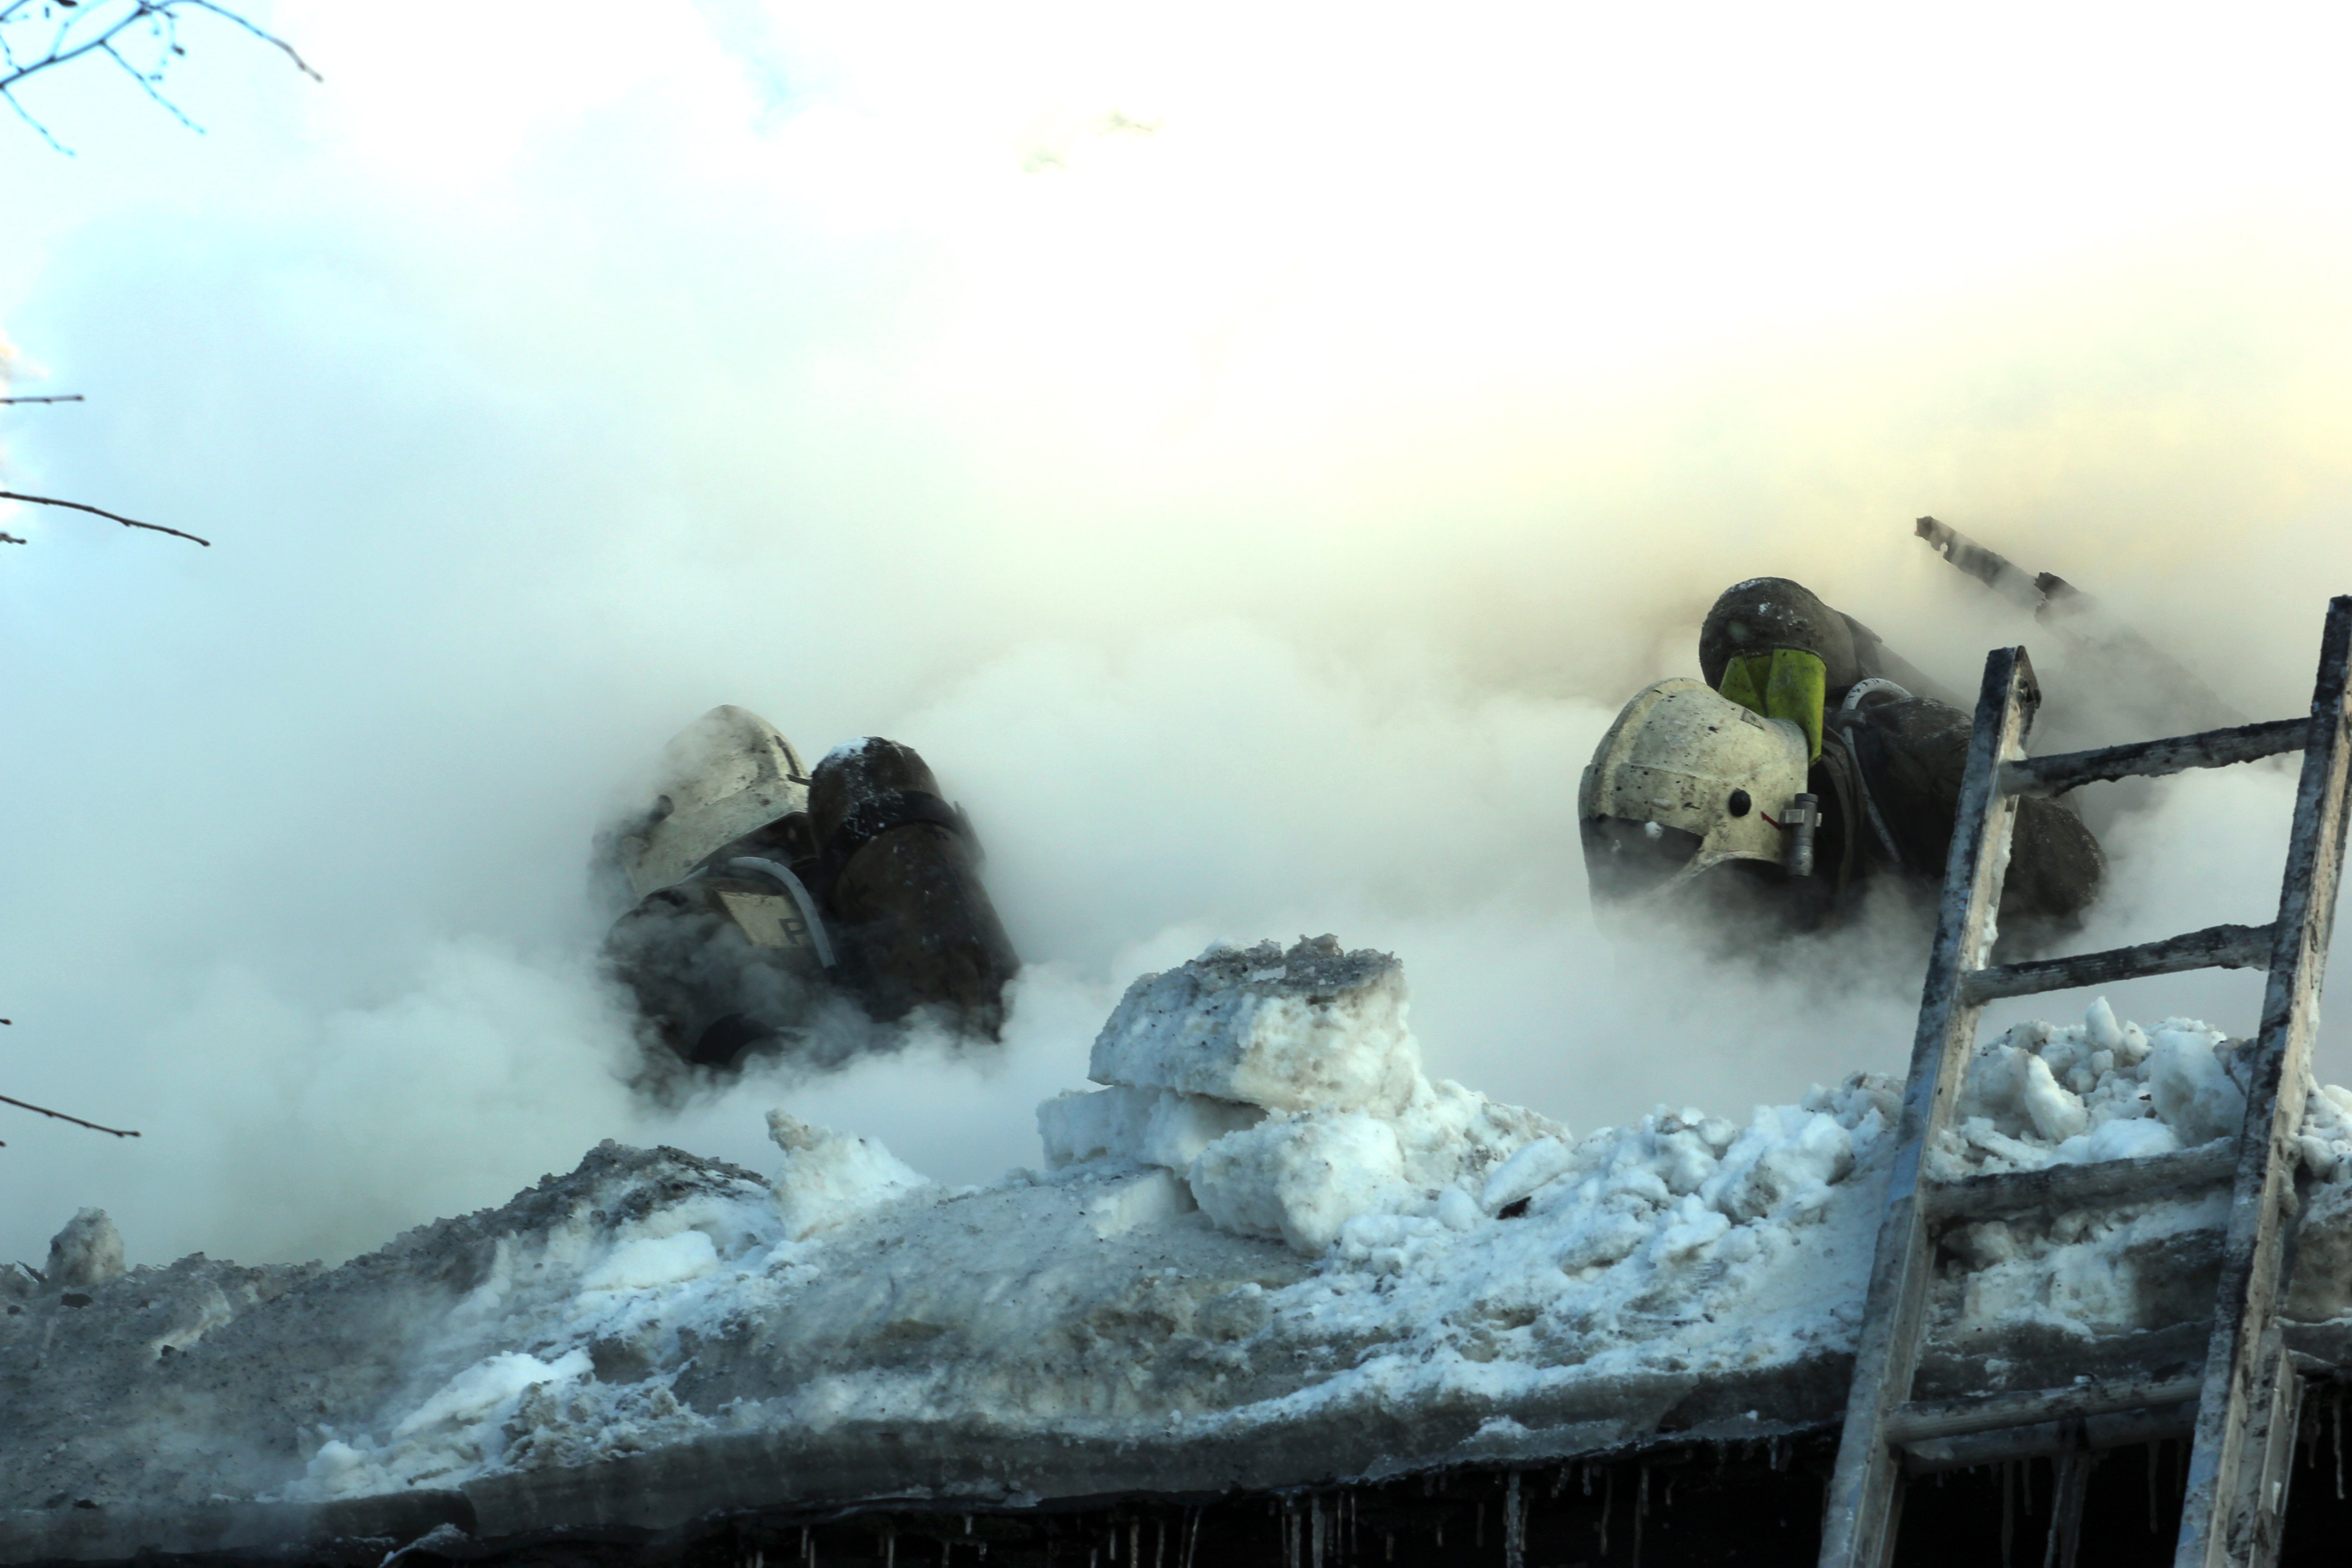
x: 1251, y: 458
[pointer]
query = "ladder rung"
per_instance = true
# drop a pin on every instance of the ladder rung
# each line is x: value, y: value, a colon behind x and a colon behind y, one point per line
x: 2069, y: 1186
x: 2215, y: 947
x: 1922, y: 1420
x: 2148, y: 759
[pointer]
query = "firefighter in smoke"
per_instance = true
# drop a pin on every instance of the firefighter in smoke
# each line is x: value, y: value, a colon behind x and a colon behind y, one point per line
x: 1810, y: 764
x: 766, y: 894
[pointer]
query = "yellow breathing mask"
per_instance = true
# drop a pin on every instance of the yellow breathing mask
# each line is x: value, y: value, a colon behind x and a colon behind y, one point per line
x: 1786, y: 683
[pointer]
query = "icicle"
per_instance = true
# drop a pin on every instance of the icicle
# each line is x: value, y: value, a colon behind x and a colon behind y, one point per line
x: 890, y: 1547
x: 1191, y: 1534
x: 1641, y: 1514
x: 967, y: 1524
x: 2007, y: 1509
x: 1135, y: 1545
x: 1388, y: 1552
x: 1315, y: 1527
x: 1586, y: 1471
x: 1559, y: 1480
x: 1159, y: 1545
x: 1515, y: 1526
x: 1608, y: 1496
x: 2339, y: 1447
x: 1290, y: 1534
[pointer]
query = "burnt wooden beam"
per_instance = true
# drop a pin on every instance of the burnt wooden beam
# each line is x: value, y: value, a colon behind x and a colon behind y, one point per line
x: 2049, y: 1439
x: 1925, y: 1419
x: 2215, y: 947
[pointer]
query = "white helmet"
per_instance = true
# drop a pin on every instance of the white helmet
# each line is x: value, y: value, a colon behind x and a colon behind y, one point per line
x: 1685, y: 780
x: 726, y: 773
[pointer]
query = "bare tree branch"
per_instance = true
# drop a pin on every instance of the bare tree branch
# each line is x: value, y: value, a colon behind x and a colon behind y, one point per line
x: 99, y: 512
x: 94, y: 27
x: 61, y: 1116
x: 69, y: 397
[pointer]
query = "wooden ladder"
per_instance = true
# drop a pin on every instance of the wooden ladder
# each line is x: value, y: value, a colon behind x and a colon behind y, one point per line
x: 2247, y: 1400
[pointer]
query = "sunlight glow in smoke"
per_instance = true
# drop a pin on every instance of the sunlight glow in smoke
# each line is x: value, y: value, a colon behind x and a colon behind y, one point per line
x: 1251, y: 452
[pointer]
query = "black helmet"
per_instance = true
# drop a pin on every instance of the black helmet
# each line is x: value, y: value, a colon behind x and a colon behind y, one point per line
x: 1766, y: 613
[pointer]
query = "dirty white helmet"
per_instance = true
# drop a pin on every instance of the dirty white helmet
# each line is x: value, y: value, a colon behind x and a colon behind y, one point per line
x: 725, y: 775
x: 1686, y: 780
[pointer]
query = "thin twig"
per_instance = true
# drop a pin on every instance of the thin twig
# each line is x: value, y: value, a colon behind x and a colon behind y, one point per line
x: 69, y: 397
x: 100, y: 512
x: 61, y: 1116
x: 300, y: 63
x: 147, y: 85
x: 162, y: 17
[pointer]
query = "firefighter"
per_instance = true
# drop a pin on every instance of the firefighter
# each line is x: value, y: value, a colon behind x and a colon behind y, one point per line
x: 765, y: 894
x: 1812, y: 765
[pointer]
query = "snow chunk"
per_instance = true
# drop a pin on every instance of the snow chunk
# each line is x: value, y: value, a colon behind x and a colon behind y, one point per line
x: 830, y: 1178
x: 481, y: 1388
x: 1299, y: 1178
x: 1535, y: 1165
x: 2055, y: 1111
x: 1312, y: 1029
x: 1149, y: 1126
x: 2191, y: 1087
x: 649, y: 1263
x: 88, y: 1251
x: 1153, y: 1198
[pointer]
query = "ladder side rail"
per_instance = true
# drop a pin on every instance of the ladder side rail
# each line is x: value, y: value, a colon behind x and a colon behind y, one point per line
x: 2222, y: 1524
x: 1858, y: 1527
x: 2062, y: 771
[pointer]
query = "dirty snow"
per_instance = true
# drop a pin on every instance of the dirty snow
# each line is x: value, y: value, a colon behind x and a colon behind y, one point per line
x: 1266, y: 1210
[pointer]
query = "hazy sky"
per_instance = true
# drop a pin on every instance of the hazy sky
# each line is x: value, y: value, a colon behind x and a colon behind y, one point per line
x: 1251, y: 451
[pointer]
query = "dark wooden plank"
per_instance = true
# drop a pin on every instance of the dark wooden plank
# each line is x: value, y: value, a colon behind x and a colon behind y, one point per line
x: 2049, y: 1439
x: 2061, y: 1187
x: 2226, y: 1520
x: 2147, y: 759
x: 1863, y: 1506
x: 2215, y: 947
x: 2021, y: 1407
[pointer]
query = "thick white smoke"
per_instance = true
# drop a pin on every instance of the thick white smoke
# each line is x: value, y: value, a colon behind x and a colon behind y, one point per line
x: 1251, y: 459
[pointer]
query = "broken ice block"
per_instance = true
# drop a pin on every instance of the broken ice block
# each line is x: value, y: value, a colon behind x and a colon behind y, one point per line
x: 1299, y: 1178
x: 1312, y: 1029
x: 1152, y: 1126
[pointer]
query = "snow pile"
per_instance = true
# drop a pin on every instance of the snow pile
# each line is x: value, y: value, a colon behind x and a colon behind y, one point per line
x: 550, y: 1356
x: 1438, y: 1251
x: 2044, y: 1094
x: 1286, y: 1092
x: 1267, y: 1225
